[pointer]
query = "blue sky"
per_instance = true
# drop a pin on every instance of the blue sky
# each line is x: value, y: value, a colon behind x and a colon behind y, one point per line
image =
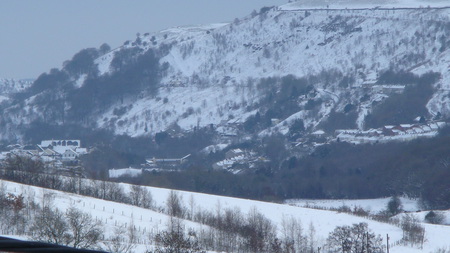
x: 39, y: 35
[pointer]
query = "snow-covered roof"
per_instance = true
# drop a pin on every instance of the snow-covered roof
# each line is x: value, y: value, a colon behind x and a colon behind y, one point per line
x: 69, y: 143
x: 318, y: 132
x: 237, y: 151
x: 49, y: 152
x: 70, y: 151
x: 81, y: 151
x: 214, y: 148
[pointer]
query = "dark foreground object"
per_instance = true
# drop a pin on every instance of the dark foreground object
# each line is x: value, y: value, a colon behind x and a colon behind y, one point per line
x: 14, y: 245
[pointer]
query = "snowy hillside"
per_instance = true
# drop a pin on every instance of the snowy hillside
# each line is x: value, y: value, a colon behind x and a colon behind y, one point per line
x: 114, y: 214
x: 12, y: 86
x: 9, y: 86
x: 224, y: 73
x: 352, y: 4
x: 372, y: 205
x: 210, y: 67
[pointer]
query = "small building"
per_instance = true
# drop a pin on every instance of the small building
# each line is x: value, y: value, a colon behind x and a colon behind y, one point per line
x: 233, y: 153
x: 63, y: 143
x: 69, y: 154
x: 166, y: 162
x: 318, y: 133
x: 275, y: 121
x: 65, y: 150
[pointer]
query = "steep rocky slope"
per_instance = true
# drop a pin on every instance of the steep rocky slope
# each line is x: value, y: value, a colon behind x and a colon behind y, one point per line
x: 228, y: 72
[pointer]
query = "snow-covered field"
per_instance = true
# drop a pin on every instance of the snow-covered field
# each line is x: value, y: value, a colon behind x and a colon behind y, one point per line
x: 372, y: 205
x: 146, y: 221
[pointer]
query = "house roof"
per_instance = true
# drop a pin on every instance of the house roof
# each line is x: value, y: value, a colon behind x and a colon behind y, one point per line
x: 68, y: 143
x: 70, y: 151
x: 49, y: 152
x: 236, y: 151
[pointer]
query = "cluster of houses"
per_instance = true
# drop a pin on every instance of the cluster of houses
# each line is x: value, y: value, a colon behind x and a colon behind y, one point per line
x: 402, y: 132
x: 238, y: 160
x: 150, y: 165
x: 50, y: 151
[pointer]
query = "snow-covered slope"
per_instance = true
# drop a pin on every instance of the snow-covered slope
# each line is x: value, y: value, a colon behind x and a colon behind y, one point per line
x: 374, y: 206
x: 115, y: 214
x: 9, y: 86
x: 211, y: 72
x: 210, y: 67
x: 352, y: 4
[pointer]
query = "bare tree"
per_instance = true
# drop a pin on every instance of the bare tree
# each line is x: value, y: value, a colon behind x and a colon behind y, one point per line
x: 123, y: 240
x: 413, y: 231
x: 311, y: 238
x: 176, y: 241
x: 71, y: 185
x: 50, y: 226
x: 191, y: 207
x: 293, y: 238
x: 354, y: 239
x: 102, y: 189
x: 85, y: 231
x: 136, y: 195
x: 231, y: 222
x: 2, y: 198
x: 339, y: 239
x: 115, y: 192
x: 47, y: 198
x: 258, y: 231
x: 15, y: 167
x: 174, y: 205
x: 147, y: 198
x: 141, y: 196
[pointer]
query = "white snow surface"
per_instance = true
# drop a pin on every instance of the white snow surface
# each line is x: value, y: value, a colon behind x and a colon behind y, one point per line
x: 214, y: 148
x: 214, y: 70
x: 210, y: 66
x: 324, y: 221
x: 354, y: 4
x: 187, y: 106
x: 9, y: 86
x: 3, y: 98
x: 130, y: 172
x: 374, y: 206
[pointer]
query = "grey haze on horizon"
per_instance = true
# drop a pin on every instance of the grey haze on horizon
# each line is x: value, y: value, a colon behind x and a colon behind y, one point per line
x: 39, y: 35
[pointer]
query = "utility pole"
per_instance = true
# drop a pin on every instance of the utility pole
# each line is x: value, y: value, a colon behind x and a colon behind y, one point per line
x: 387, y: 242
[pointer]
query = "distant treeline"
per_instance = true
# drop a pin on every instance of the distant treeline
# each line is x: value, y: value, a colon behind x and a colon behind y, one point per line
x: 340, y: 170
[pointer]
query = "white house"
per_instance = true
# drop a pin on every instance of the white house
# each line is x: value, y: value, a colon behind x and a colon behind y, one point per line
x: 62, y: 149
x: 69, y: 154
